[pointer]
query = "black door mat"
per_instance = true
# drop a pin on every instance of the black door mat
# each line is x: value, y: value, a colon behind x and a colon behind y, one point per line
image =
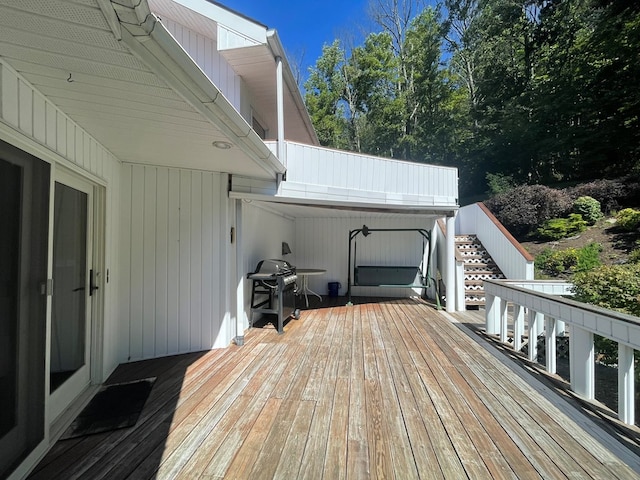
x: 113, y: 407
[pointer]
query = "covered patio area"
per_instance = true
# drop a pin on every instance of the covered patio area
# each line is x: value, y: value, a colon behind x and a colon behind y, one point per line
x: 381, y: 389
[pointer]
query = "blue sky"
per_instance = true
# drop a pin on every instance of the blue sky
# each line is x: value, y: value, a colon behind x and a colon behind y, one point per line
x: 304, y: 26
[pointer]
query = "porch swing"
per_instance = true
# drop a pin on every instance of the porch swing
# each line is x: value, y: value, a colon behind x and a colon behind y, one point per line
x: 387, y: 276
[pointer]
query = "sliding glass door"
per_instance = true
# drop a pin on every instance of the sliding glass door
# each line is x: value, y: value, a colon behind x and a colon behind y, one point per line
x: 24, y: 219
x: 73, y: 286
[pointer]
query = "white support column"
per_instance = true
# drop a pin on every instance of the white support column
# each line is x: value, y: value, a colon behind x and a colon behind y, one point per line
x: 451, y: 257
x: 240, y: 281
x: 518, y: 326
x: 227, y: 257
x: 504, y: 321
x: 581, y: 353
x: 492, y: 314
x: 550, y: 343
x: 535, y: 321
x: 626, y: 385
x: 280, y: 110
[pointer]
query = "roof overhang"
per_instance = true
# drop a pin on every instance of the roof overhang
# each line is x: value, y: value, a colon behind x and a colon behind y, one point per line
x: 251, y: 49
x: 116, y: 71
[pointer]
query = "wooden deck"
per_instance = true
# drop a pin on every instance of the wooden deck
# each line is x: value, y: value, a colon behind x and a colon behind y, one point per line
x: 380, y: 390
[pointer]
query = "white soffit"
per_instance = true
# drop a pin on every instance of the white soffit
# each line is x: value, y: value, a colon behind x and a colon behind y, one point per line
x: 246, y: 45
x: 68, y: 51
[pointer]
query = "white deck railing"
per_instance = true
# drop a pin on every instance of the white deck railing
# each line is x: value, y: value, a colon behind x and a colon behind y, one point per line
x: 548, y: 313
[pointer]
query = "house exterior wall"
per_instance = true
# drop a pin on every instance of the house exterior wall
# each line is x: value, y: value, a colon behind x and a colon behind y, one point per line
x: 34, y: 124
x: 204, y: 51
x: 264, y: 231
x: 324, y: 243
x: 173, y: 262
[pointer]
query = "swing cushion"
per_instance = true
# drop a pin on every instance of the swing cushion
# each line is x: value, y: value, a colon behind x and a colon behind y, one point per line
x: 396, y: 276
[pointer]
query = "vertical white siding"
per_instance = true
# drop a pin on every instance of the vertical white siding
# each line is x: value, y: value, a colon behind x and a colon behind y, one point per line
x: 34, y: 124
x: 25, y: 109
x: 171, y: 301
x: 324, y: 243
x: 263, y: 234
x: 473, y: 220
x: 204, y: 52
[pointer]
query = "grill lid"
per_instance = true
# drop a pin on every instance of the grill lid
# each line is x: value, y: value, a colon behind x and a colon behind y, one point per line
x: 273, y: 267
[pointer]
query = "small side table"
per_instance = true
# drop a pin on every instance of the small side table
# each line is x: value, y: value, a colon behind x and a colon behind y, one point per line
x: 304, y: 273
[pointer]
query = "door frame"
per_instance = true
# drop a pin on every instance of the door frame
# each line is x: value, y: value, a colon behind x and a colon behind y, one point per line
x: 58, y: 417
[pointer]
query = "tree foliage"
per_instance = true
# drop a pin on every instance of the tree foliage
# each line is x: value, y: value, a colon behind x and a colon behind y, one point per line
x: 539, y: 91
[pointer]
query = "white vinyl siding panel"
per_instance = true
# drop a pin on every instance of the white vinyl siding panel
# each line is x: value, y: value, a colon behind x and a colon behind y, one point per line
x: 175, y: 245
x: 28, y: 111
x: 204, y: 52
x: 322, y: 173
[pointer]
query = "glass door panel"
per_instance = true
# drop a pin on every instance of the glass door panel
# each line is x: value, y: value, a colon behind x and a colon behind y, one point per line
x: 71, y: 303
x: 24, y: 220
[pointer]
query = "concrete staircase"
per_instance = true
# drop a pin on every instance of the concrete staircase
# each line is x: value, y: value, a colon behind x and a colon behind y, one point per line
x: 478, y: 266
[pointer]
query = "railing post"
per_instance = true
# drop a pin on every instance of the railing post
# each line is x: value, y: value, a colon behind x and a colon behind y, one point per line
x: 504, y: 321
x: 581, y: 352
x: 518, y: 326
x: 550, y: 343
x: 626, y: 385
x: 535, y: 320
x: 492, y: 312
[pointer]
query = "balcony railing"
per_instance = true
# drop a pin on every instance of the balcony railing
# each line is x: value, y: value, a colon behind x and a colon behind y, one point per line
x: 548, y: 313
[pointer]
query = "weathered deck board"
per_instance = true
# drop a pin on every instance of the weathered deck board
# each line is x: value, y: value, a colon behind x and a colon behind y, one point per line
x: 379, y: 390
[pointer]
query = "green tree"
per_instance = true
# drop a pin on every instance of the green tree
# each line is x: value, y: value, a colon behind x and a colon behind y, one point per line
x: 324, y: 93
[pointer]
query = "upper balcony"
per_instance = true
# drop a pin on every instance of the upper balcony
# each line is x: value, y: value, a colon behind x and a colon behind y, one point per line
x: 323, y: 176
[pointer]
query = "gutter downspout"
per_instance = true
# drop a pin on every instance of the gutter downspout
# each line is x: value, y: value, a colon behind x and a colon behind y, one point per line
x: 282, y: 155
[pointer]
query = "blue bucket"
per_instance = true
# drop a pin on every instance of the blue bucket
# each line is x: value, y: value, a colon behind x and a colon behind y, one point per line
x: 333, y: 288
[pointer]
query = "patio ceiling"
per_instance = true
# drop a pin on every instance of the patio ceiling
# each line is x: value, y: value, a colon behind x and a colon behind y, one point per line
x: 146, y: 106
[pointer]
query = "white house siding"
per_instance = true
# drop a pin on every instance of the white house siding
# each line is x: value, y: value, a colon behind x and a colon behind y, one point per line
x: 34, y: 124
x: 471, y: 219
x: 264, y: 230
x: 171, y: 262
x: 203, y: 50
x: 323, y: 173
x: 324, y: 243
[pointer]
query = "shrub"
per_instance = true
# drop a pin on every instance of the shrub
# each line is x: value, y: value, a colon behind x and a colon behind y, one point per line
x: 634, y: 255
x: 628, y: 219
x: 525, y: 208
x: 589, y: 208
x: 557, y: 228
x: 610, y: 193
x: 558, y: 262
x: 616, y: 287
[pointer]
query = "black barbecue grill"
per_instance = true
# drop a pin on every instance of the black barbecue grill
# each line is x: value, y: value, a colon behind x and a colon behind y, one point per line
x: 274, y: 291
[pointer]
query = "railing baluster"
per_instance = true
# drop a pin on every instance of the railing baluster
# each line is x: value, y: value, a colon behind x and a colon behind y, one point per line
x: 504, y: 321
x: 518, y: 326
x: 626, y: 384
x: 492, y: 306
x: 535, y: 321
x: 550, y: 325
x: 581, y: 352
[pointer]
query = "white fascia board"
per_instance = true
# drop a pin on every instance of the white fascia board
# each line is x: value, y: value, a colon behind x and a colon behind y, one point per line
x: 347, y: 205
x: 231, y: 20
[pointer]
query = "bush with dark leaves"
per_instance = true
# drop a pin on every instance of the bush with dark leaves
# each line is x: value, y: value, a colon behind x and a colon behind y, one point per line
x: 610, y: 193
x: 527, y: 207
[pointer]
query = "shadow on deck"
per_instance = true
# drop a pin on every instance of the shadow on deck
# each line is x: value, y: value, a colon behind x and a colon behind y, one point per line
x: 391, y: 389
